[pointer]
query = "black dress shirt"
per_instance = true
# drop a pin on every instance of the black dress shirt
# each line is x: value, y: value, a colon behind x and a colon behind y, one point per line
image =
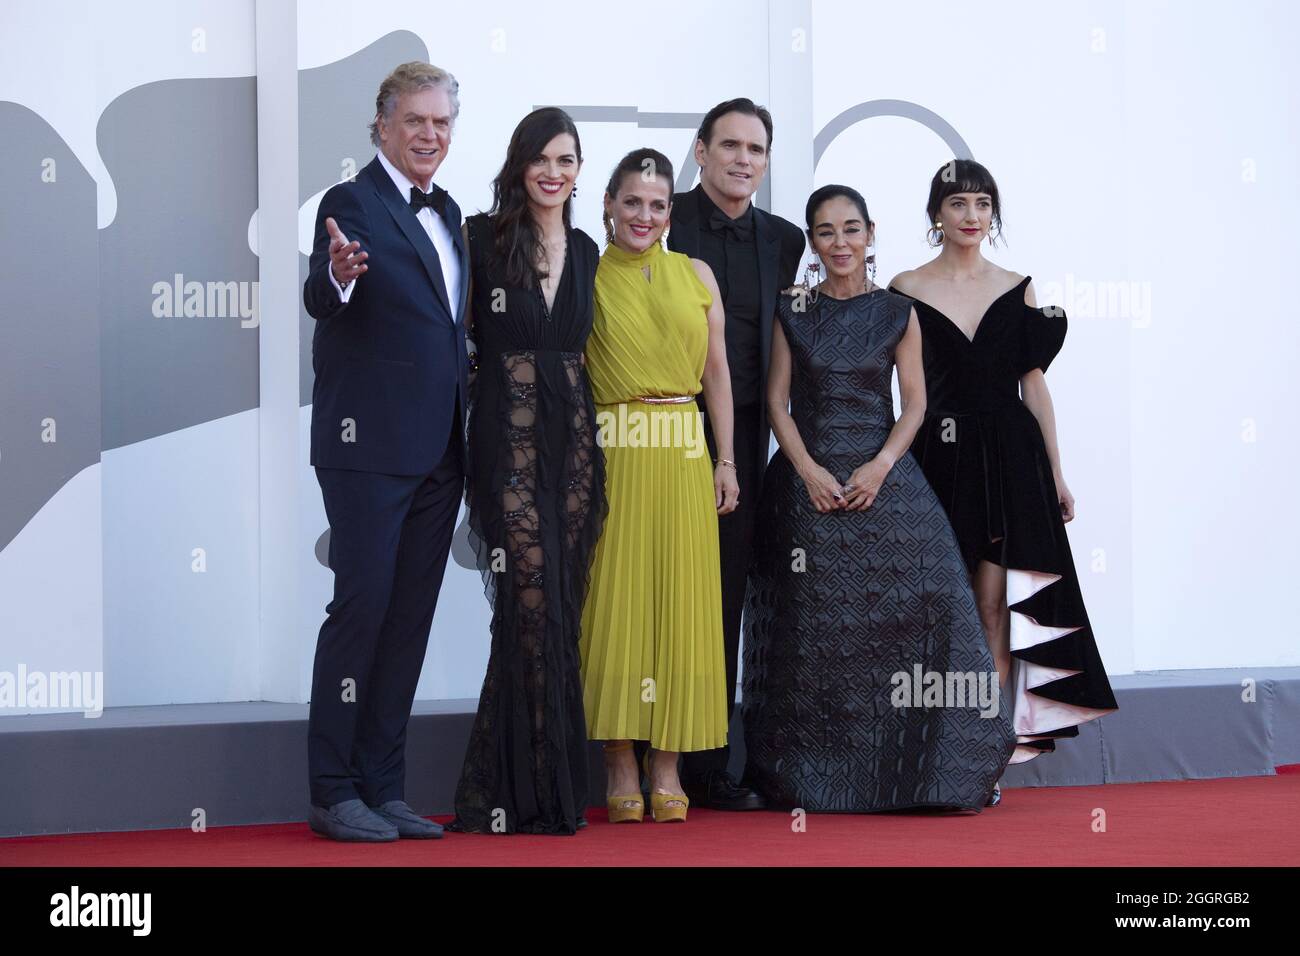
x: 727, y: 245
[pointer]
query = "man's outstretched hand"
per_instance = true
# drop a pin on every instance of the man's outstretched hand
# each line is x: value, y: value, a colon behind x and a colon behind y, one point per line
x: 347, y: 261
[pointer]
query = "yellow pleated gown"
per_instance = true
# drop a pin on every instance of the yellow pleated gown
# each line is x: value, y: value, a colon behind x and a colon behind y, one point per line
x: 652, y: 658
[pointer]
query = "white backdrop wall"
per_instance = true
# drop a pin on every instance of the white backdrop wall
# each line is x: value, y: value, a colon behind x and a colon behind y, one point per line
x: 1142, y: 151
x: 1212, y: 129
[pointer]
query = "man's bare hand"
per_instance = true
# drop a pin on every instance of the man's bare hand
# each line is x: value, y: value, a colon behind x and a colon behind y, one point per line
x: 347, y: 261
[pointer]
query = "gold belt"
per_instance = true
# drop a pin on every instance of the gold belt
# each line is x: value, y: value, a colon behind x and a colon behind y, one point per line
x: 665, y: 399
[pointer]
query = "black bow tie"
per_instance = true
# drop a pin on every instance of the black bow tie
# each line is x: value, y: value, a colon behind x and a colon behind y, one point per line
x: 739, y: 229
x: 435, y: 199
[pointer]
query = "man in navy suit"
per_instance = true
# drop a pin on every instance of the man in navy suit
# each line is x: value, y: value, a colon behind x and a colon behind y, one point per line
x: 387, y: 285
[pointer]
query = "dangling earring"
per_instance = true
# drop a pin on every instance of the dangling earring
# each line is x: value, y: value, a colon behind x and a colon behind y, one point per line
x: 609, y: 229
x: 663, y: 238
x: 811, y: 277
x: 868, y: 272
x: 573, y: 193
x: 930, y: 236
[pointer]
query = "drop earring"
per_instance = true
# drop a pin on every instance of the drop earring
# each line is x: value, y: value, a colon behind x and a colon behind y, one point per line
x: 811, y: 279
x: 931, y: 237
x: 609, y: 230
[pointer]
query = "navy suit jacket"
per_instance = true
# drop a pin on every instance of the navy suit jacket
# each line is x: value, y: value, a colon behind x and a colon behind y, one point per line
x: 392, y: 360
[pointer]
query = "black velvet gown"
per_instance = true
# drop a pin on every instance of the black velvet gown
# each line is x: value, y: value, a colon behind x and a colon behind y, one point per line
x: 536, y: 496
x: 983, y: 452
x: 848, y: 613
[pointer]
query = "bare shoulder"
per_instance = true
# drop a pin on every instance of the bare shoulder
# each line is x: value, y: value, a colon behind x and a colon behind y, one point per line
x: 904, y: 282
x: 705, y: 273
x: 916, y: 282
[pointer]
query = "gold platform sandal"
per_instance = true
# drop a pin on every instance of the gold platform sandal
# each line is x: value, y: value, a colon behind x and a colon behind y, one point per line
x: 629, y: 807
x: 660, y: 812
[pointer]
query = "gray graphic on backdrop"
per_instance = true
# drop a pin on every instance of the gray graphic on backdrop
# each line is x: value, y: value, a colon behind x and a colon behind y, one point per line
x: 49, y: 329
x: 901, y: 108
x: 177, y: 279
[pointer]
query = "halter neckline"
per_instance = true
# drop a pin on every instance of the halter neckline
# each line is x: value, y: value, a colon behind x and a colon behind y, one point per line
x: 623, y: 257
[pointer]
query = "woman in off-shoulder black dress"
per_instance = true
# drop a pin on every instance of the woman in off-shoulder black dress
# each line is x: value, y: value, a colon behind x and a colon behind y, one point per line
x: 986, y: 453
x: 535, y: 489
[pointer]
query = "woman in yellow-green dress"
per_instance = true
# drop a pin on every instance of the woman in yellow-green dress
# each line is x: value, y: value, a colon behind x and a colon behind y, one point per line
x: 652, y: 657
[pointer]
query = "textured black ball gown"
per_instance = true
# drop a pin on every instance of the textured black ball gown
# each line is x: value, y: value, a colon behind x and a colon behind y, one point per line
x: 840, y: 604
x: 536, y: 496
x: 983, y: 452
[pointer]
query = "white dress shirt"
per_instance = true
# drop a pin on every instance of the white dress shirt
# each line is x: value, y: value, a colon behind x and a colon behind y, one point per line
x: 439, y: 234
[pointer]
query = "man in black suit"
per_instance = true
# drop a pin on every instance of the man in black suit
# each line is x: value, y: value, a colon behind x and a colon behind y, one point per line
x: 387, y: 442
x: 754, y: 255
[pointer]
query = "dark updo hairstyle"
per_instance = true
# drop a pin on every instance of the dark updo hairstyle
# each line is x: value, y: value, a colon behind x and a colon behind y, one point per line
x: 832, y: 191
x: 962, y: 176
x: 636, y: 162
x: 518, y: 242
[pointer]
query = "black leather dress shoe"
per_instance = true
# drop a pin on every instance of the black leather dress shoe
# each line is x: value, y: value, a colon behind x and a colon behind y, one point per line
x: 409, y: 824
x: 351, y: 821
x: 717, y: 791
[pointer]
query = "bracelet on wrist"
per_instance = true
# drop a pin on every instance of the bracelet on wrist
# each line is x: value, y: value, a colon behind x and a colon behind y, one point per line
x: 725, y: 461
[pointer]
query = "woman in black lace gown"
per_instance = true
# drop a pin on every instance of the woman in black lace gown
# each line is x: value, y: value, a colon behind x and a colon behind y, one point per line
x: 988, y: 447
x: 535, y: 488
x: 867, y: 682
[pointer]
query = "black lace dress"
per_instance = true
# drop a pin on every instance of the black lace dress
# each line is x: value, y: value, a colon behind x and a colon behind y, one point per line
x: 536, y: 496
x: 868, y: 684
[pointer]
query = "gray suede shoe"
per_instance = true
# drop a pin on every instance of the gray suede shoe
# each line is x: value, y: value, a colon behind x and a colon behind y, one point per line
x: 351, y: 821
x: 409, y: 824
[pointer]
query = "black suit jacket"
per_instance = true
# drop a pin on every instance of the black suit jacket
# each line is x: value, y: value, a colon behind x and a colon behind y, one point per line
x: 780, y: 248
x: 392, y: 359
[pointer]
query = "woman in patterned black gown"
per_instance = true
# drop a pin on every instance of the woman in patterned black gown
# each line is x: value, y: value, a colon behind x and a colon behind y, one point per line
x: 536, y: 486
x: 867, y: 682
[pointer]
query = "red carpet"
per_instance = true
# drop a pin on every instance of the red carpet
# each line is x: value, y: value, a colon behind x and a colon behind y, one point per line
x: 1248, y: 821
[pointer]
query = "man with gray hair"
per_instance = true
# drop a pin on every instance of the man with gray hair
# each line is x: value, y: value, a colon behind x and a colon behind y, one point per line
x: 387, y: 443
